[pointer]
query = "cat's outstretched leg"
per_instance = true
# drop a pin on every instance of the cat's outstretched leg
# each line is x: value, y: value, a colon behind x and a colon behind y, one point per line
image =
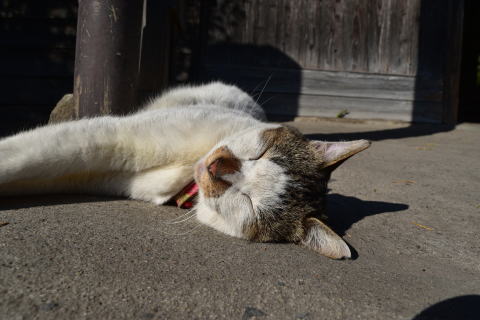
x: 59, y: 150
x: 107, y: 155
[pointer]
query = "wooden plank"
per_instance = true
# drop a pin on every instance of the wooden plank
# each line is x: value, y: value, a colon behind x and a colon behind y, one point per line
x: 343, y: 36
x: 301, y: 27
x: 453, y: 61
x: 404, y: 36
x: 289, y: 34
x: 358, y: 108
x: 311, y: 36
x: 374, y: 28
x: 260, y: 23
x: 280, y: 27
x: 329, y: 42
x: 324, y: 39
x: 248, y: 28
x: 316, y: 82
x: 383, y: 46
x: 395, y: 59
x: 413, y: 19
x: 359, y: 49
x: 270, y: 16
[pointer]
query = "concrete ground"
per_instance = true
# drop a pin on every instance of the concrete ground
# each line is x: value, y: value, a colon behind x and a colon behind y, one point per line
x: 409, y: 206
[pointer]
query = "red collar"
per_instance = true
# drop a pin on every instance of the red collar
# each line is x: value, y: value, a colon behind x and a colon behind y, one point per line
x: 184, y: 199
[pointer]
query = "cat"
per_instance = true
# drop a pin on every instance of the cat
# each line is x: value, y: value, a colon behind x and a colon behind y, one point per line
x: 259, y: 181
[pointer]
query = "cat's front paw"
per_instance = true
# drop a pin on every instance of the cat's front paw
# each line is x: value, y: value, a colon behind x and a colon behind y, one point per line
x: 159, y: 200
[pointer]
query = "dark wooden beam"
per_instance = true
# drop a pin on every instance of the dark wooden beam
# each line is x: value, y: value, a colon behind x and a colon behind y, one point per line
x: 453, y: 61
x: 107, y: 56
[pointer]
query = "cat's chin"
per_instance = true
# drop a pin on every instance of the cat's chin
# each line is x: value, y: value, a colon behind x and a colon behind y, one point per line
x: 211, y: 218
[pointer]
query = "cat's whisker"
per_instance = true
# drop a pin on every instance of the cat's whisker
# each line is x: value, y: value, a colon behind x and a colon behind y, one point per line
x: 255, y: 95
x: 183, y: 233
x: 256, y: 87
x: 261, y: 92
x: 264, y: 102
x: 183, y: 220
x: 192, y: 212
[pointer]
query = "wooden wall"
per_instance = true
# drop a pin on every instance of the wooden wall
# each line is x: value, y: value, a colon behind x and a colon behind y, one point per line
x: 387, y: 59
x: 377, y: 59
x: 357, y: 36
x: 37, y: 49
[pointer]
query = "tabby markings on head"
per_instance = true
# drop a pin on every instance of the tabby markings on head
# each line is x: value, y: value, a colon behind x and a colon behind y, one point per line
x: 275, y: 192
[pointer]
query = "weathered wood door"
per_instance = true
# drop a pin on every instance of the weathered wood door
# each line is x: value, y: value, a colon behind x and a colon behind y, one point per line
x: 389, y: 59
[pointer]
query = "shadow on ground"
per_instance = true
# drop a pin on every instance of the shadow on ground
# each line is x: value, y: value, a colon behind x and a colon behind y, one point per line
x: 414, y: 130
x: 344, y: 211
x: 462, y: 307
x: 21, y: 202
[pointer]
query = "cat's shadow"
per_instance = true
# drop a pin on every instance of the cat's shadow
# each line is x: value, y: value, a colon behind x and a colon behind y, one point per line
x: 344, y: 211
x: 22, y: 202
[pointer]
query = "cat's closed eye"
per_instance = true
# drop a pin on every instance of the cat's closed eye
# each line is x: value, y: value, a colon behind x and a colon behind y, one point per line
x: 261, y: 155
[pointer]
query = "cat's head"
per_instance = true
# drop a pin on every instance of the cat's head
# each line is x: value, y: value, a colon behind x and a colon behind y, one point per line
x: 270, y: 184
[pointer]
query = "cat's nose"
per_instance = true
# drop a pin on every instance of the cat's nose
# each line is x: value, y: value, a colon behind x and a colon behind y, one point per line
x: 222, y: 162
x: 212, y: 167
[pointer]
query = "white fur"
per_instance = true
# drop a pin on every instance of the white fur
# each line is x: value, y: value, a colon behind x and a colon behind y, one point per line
x: 147, y: 156
x: 226, y: 96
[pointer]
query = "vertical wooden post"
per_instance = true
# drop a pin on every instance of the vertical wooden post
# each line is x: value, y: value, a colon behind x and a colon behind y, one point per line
x: 451, y: 90
x: 107, y: 56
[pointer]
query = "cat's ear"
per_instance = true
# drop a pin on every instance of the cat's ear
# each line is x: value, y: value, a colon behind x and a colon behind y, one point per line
x: 331, y: 153
x: 324, y: 240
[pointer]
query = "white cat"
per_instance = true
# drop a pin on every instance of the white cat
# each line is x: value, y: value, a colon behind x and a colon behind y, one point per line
x: 258, y: 181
